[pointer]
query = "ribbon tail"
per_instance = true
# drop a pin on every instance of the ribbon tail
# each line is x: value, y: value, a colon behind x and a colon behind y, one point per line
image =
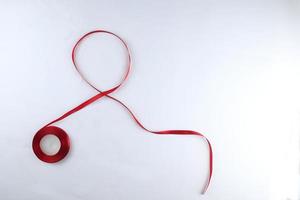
x: 210, y: 165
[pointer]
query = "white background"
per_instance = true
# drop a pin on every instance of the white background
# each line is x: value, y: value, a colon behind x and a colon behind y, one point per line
x: 229, y: 69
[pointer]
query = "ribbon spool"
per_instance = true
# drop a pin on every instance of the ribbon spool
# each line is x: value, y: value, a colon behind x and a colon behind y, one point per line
x: 63, y: 136
x: 64, y: 144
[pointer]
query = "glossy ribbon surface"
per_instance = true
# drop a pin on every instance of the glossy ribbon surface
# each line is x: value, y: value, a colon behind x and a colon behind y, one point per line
x: 64, y: 139
x: 64, y: 144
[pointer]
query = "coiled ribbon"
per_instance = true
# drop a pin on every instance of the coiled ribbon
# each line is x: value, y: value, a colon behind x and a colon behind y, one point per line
x: 64, y: 138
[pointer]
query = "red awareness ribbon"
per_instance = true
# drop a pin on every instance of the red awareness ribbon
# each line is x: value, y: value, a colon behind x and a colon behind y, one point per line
x: 63, y: 136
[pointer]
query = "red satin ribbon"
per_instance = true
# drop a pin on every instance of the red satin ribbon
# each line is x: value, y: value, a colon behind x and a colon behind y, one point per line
x: 65, y: 143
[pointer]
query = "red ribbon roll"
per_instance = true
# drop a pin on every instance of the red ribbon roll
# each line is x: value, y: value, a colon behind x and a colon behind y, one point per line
x: 63, y: 137
x: 64, y: 144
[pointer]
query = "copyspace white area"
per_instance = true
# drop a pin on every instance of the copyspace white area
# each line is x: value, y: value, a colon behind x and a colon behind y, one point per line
x: 229, y: 69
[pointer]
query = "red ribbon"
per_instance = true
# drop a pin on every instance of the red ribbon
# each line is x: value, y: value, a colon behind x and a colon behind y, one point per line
x: 64, y: 144
x: 63, y: 137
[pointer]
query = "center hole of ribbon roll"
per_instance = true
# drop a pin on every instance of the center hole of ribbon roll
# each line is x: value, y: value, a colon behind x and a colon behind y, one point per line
x: 102, y: 59
x: 50, y: 144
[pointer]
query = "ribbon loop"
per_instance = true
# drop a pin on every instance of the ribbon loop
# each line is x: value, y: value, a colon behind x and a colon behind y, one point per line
x: 77, y: 66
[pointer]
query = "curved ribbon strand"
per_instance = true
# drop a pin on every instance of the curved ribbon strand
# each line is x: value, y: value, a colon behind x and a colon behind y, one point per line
x: 108, y: 92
